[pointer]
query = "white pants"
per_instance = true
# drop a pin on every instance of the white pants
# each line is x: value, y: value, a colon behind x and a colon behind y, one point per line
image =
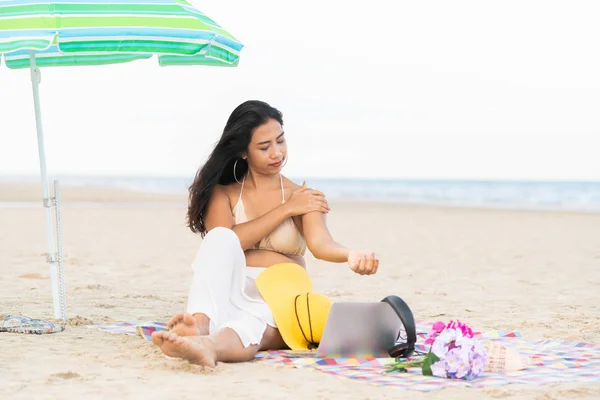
x: 223, y: 288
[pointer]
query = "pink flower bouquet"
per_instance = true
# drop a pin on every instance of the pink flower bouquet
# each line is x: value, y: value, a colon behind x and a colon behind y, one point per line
x: 454, y: 353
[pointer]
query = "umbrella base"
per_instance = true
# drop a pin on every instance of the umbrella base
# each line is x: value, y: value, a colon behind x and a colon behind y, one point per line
x: 55, y: 256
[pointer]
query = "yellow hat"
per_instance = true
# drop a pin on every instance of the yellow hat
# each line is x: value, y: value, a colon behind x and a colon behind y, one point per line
x: 300, y: 315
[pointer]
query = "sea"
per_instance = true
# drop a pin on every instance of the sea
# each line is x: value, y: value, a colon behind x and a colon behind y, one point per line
x: 574, y: 196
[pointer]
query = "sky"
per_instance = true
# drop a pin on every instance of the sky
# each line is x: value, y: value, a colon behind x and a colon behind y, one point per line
x: 380, y: 89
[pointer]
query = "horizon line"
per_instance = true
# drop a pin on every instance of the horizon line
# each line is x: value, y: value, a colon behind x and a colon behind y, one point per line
x: 298, y: 177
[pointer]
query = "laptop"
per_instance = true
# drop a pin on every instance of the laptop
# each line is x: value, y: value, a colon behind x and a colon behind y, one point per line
x: 357, y: 329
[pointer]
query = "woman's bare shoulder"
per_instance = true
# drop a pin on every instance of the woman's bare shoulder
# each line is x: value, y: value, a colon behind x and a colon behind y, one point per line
x: 289, y: 184
x: 231, y: 190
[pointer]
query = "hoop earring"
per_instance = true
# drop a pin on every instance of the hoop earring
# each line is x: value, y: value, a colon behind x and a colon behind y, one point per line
x: 234, y: 166
x: 285, y: 162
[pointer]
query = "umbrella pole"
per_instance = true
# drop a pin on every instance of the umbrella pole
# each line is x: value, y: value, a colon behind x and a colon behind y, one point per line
x: 52, y: 257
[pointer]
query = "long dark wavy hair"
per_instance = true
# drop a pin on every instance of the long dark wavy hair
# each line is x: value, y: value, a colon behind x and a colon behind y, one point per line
x: 218, y: 169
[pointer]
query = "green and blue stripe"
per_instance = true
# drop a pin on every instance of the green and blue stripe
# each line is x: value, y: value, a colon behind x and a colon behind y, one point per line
x: 95, y: 32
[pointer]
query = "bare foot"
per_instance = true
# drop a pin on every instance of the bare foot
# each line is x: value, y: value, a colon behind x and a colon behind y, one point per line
x: 184, y: 324
x: 199, y: 351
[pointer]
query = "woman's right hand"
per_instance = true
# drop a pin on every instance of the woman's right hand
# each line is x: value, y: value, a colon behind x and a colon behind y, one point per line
x: 303, y: 200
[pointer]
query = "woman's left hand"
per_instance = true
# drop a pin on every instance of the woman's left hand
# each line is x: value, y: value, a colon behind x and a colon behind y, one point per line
x: 363, y: 262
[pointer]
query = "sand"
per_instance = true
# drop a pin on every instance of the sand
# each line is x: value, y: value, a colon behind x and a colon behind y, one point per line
x: 127, y: 258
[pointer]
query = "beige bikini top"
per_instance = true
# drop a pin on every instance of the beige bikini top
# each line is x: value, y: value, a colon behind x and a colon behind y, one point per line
x: 285, y: 239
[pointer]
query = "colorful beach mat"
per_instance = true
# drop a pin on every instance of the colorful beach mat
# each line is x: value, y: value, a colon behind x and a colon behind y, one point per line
x: 551, y: 361
x: 143, y: 329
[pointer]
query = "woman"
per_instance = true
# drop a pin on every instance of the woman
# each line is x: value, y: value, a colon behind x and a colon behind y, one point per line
x: 251, y: 217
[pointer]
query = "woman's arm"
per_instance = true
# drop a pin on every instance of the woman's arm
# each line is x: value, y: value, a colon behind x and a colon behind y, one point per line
x: 319, y: 240
x: 323, y: 247
x: 218, y: 213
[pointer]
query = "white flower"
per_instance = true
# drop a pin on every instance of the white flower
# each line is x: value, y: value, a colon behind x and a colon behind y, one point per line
x: 439, y: 348
x: 463, y: 341
x: 439, y: 369
x: 447, y: 336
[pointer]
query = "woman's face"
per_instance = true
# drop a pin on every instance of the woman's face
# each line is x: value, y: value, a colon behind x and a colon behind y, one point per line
x: 267, y: 150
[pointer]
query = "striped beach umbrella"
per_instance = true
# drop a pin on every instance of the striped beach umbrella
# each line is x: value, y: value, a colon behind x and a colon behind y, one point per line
x: 52, y: 33
x: 97, y: 32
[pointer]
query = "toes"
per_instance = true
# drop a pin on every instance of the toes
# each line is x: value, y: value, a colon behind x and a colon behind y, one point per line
x: 175, y: 320
x: 188, y: 319
x: 158, y: 337
x: 171, y: 336
x: 180, y: 340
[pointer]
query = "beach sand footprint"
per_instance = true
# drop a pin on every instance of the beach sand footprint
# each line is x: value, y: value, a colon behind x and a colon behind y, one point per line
x: 61, y: 376
x: 338, y: 293
x: 34, y: 275
x: 104, y: 305
x: 96, y: 286
x: 79, y: 320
